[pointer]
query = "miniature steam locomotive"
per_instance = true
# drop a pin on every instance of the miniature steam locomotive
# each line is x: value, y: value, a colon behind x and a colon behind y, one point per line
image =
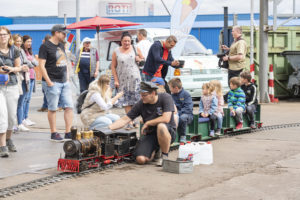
x: 91, y: 149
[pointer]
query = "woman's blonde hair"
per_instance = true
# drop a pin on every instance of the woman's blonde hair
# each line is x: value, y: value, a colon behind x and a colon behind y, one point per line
x: 105, y: 92
x: 10, y: 41
x: 210, y: 87
x: 16, y: 36
x: 218, y: 87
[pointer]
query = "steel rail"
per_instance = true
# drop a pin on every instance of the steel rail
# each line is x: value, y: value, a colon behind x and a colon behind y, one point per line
x: 41, y: 182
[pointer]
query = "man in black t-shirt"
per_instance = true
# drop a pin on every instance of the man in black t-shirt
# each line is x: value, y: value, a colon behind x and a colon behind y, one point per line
x: 53, y: 64
x: 159, y: 129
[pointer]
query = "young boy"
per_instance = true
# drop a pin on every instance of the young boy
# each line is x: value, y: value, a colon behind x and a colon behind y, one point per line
x: 184, y: 104
x: 236, y: 101
x: 251, y: 96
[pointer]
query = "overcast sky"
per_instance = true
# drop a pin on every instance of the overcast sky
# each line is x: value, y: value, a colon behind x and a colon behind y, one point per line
x: 50, y: 7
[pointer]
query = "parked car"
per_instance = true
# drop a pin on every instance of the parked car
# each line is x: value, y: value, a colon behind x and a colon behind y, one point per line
x: 200, y: 64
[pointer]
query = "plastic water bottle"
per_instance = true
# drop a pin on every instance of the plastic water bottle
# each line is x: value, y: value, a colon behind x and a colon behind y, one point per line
x: 182, y: 152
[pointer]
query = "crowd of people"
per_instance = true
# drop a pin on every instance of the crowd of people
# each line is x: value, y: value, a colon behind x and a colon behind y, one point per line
x: 165, y: 108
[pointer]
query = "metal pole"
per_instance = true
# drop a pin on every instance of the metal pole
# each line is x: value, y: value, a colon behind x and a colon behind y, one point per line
x: 225, y: 30
x: 77, y: 20
x: 166, y: 7
x: 65, y: 19
x: 252, y: 33
x: 275, y: 15
x: 235, y: 19
x: 263, y: 53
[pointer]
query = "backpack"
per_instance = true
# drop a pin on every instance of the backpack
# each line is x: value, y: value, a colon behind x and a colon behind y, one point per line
x: 80, y: 101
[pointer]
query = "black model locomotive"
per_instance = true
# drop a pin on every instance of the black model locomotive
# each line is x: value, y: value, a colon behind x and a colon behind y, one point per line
x: 93, y: 148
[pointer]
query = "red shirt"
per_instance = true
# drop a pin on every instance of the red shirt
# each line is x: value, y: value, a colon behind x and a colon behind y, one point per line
x: 165, y: 57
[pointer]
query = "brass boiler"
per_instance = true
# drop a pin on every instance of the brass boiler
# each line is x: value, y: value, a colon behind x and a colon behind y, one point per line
x: 84, y: 145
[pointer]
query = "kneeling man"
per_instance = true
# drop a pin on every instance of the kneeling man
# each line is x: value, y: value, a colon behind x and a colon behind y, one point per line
x: 159, y: 129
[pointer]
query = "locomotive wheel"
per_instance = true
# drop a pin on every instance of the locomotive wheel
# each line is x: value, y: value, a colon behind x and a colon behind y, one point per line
x: 83, y: 166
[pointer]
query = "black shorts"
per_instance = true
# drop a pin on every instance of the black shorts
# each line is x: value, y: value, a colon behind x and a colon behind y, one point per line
x: 149, y: 143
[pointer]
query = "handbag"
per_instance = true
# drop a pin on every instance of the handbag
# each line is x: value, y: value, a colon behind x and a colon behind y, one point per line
x: 140, y: 63
x: 3, y: 77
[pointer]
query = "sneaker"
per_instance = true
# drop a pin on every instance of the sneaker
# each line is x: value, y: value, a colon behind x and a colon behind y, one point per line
x: 212, y: 133
x: 157, y: 155
x: 160, y: 161
x: 68, y: 136
x: 28, y: 122
x: 183, y: 139
x: 55, y: 137
x: 22, y: 128
x: 4, y: 152
x: 43, y: 110
x: 252, y: 125
x: 239, y: 125
x: 218, y: 132
x: 10, y: 145
x: 15, y: 129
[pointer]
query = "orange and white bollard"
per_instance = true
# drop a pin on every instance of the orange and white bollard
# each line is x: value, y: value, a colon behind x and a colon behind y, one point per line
x: 271, y: 84
x: 252, y: 72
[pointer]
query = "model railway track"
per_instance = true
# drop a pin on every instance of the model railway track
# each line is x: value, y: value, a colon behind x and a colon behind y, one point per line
x: 31, y: 185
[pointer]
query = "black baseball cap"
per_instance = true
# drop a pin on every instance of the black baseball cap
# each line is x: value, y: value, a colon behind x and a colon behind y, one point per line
x: 59, y: 28
x: 148, y: 87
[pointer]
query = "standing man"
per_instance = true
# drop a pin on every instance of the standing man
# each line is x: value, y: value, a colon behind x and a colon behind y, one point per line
x: 144, y: 45
x: 237, y: 53
x: 159, y: 58
x: 87, y: 64
x: 159, y: 129
x: 53, y: 64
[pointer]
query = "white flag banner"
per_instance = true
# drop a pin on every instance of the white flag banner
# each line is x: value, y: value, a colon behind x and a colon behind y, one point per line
x: 182, y: 19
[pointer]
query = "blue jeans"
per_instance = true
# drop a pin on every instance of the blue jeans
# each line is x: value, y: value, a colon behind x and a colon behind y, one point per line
x: 21, y: 104
x: 84, y: 80
x: 45, y: 103
x: 220, y: 120
x: 28, y: 98
x: 184, y: 120
x: 104, y: 121
x: 59, y: 92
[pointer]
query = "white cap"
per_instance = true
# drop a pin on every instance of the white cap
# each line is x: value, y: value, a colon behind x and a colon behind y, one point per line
x: 86, y: 40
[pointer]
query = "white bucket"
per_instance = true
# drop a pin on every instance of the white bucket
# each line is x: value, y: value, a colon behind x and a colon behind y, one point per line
x: 203, y: 153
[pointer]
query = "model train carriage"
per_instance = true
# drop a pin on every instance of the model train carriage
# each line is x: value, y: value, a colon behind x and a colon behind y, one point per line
x: 200, y: 130
x: 90, y: 149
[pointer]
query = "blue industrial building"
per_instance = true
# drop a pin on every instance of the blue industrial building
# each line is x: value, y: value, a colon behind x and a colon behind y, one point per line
x: 206, y: 27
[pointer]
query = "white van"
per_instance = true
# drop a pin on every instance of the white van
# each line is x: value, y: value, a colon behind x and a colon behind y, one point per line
x: 200, y: 65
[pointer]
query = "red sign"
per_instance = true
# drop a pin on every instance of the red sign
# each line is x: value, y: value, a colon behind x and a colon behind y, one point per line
x: 118, y: 8
x: 70, y: 38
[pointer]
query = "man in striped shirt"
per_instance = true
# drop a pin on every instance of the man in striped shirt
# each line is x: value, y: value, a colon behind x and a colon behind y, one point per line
x: 87, y: 64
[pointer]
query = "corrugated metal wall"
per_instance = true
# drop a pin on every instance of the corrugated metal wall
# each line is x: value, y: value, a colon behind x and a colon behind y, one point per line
x: 38, y: 36
x: 208, y: 36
